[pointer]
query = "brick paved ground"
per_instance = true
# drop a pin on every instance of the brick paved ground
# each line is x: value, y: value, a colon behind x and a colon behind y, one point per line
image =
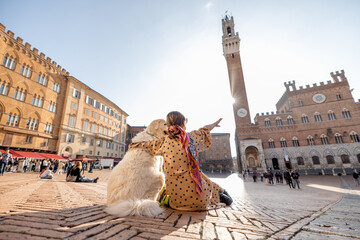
x: 32, y: 208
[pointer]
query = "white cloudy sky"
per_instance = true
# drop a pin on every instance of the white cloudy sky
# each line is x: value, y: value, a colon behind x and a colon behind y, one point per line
x: 152, y: 57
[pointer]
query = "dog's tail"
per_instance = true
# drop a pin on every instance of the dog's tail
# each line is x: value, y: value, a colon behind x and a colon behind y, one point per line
x: 124, y: 208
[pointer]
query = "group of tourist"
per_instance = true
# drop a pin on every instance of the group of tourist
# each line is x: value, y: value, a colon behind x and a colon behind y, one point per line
x: 291, y: 177
x: 46, y: 167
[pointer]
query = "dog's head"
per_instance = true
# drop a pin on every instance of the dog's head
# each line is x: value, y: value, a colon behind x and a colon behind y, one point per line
x: 157, y: 128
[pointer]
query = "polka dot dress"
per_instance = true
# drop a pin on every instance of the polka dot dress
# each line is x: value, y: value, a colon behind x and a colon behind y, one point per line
x: 179, y: 184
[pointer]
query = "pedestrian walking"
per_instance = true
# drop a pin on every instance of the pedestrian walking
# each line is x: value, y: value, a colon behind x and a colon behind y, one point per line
x: 295, y: 176
x: 266, y: 176
x: 254, y: 175
x: 26, y: 163
x: 91, y: 167
x: 271, y: 177
x: 261, y: 176
x: 5, y: 159
x: 277, y: 176
x: 356, y: 177
x: 281, y: 177
x: 15, y: 165
x: 287, y: 177
x: 83, y: 166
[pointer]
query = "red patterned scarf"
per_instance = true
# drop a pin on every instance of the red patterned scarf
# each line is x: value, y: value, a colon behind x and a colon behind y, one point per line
x: 192, y: 162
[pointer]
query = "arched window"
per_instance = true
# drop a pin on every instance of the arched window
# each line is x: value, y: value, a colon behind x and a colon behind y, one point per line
x: 9, y: 62
x: 48, y: 128
x: 56, y: 87
x: 300, y: 161
x: 20, y: 94
x: 32, y: 124
x: 271, y: 143
x: 13, y: 119
x: 304, y: 119
x: 42, y: 79
x: 345, y: 158
x: 283, y: 142
x: 358, y: 157
x: 295, y: 142
x: 37, y: 101
x: 346, y: 113
x: 316, y: 160
x: 354, y: 137
x: 228, y: 31
x: 267, y: 122
x: 278, y: 121
x: 52, y: 106
x: 330, y: 159
x: 290, y: 120
x: 317, y: 117
x: 331, y: 115
x: 4, y: 88
x: 324, y: 139
x: 25, y: 71
x: 338, y: 138
x: 310, y: 140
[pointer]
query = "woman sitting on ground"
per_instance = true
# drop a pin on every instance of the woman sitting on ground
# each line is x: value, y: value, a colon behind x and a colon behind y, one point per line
x: 46, y: 173
x: 188, y: 189
x: 74, y: 175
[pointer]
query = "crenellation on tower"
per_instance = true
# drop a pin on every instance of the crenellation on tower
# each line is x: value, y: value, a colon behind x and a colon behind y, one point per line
x: 2, y: 27
x: 290, y: 84
x: 342, y: 76
x: 334, y: 77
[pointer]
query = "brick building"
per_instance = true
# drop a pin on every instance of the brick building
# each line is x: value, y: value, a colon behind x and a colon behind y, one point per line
x: 131, y: 132
x: 218, y: 156
x: 43, y: 109
x: 314, y: 129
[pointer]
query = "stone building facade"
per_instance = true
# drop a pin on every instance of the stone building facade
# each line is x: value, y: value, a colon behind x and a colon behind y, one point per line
x: 43, y: 109
x: 314, y: 129
x: 92, y: 125
x: 32, y: 90
x: 218, y: 156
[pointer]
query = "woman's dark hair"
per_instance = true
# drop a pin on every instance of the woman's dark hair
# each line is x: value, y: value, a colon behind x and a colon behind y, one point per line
x: 174, y: 119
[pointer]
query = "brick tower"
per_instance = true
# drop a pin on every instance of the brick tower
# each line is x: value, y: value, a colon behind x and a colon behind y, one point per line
x: 231, y: 44
x: 248, y: 146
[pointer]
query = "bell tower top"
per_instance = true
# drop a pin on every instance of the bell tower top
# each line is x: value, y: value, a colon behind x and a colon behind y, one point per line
x: 230, y: 38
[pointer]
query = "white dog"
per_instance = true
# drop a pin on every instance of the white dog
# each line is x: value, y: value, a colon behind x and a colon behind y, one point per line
x: 136, y: 180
